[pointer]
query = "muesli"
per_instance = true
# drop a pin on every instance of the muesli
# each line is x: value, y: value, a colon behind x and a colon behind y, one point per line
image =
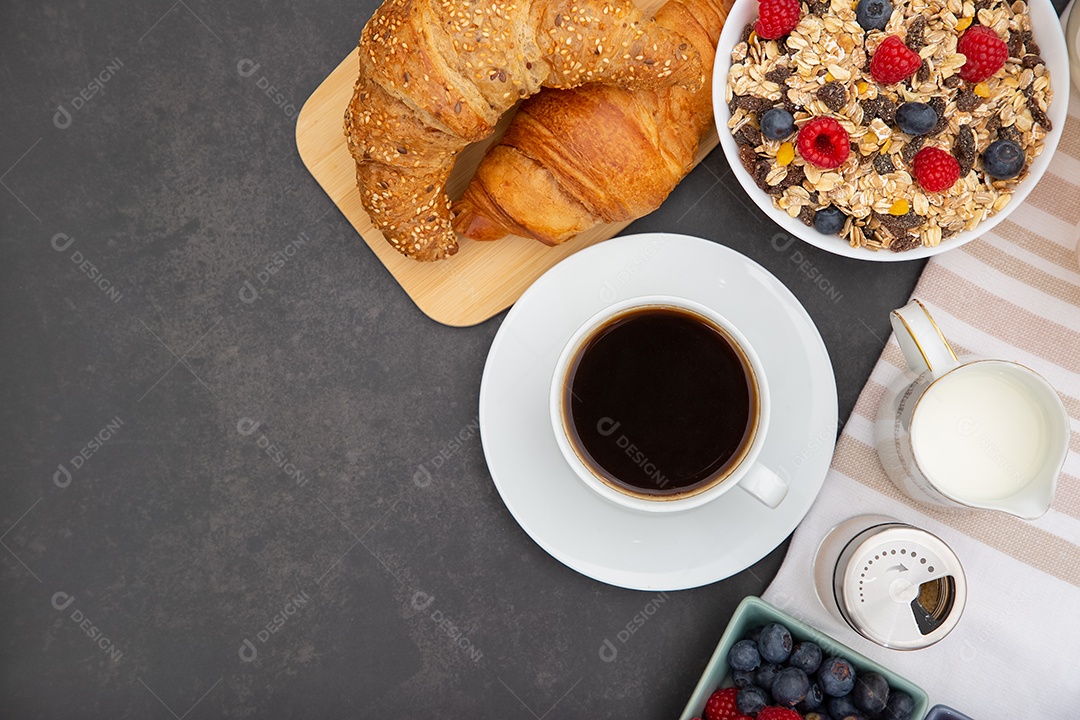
x: 819, y: 113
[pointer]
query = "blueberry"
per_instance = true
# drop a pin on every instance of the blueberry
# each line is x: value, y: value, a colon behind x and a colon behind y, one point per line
x: 815, y: 716
x: 916, y: 118
x: 814, y: 699
x: 777, y: 124
x: 829, y: 220
x: 751, y: 700
x: 790, y: 687
x: 1004, y: 159
x: 899, y: 706
x: 742, y: 678
x: 775, y: 643
x: 806, y: 656
x: 841, y: 708
x: 754, y: 634
x: 836, y: 676
x: 871, y: 693
x: 744, y: 655
x: 873, y: 14
x: 765, y: 676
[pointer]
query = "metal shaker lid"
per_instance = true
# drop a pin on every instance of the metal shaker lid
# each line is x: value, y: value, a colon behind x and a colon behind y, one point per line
x: 900, y: 586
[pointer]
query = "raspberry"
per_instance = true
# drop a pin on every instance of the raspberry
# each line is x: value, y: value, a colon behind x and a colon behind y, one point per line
x: 935, y: 169
x: 986, y: 53
x: 893, y: 61
x: 721, y: 705
x: 776, y: 18
x: 823, y: 142
x: 778, y: 713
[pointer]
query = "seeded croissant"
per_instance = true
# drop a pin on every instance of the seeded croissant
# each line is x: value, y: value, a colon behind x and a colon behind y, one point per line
x: 436, y: 75
x: 594, y: 154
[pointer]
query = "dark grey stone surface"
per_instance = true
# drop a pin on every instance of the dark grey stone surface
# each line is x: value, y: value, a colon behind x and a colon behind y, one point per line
x: 150, y: 528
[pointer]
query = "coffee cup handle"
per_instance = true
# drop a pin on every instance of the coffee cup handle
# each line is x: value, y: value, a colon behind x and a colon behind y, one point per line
x: 764, y: 485
x: 921, y: 340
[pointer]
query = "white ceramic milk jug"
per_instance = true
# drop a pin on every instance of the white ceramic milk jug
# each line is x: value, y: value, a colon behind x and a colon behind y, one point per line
x: 972, y: 433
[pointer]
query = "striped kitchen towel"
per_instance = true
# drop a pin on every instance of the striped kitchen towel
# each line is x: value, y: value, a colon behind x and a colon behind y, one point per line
x: 1013, y: 294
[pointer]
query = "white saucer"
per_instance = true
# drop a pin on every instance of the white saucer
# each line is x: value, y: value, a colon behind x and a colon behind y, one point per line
x: 629, y: 548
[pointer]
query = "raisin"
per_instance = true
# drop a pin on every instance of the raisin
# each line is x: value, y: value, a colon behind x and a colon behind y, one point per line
x: 967, y: 100
x: 964, y: 149
x: 909, y: 151
x: 1029, y: 61
x: 1015, y: 43
x: 880, y: 107
x: 818, y: 7
x: 923, y: 73
x: 748, y: 135
x: 748, y: 158
x: 938, y: 103
x: 898, y: 225
x: 832, y: 95
x: 1037, y: 113
x: 905, y: 242
x: 745, y: 37
x: 806, y: 215
x: 883, y: 164
x: 1032, y: 48
x: 914, y: 39
x: 761, y: 171
x: 993, y: 124
x: 752, y: 103
x: 1009, y: 132
x: 795, y: 176
x: 954, y: 81
x: 778, y: 74
x: 887, y: 111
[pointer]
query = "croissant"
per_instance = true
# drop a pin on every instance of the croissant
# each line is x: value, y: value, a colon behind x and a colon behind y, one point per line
x: 436, y: 75
x: 574, y: 158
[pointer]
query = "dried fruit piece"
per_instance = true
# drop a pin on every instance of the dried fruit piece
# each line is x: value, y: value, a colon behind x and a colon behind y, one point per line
x: 914, y: 37
x: 964, y: 149
x: 778, y: 74
x: 909, y: 151
x: 967, y: 100
x: 900, y: 207
x: 883, y: 165
x: 832, y: 95
x: 963, y: 24
x: 938, y: 104
x: 748, y: 135
x: 1037, y: 113
x: 982, y: 90
x: 752, y: 103
x: 785, y: 154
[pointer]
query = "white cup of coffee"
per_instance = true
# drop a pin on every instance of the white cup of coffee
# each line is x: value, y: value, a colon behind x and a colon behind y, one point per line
x: 660, y: 404
x: 970, y: 433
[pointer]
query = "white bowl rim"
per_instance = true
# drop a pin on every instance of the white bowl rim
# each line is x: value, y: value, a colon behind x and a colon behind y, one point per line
x: 1046, y: 26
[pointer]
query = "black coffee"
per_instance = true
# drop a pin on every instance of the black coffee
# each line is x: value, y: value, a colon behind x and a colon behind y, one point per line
x: 660, y: 401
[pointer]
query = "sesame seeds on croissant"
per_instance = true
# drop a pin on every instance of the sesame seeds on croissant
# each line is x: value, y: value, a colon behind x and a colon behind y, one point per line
x: 436, y: 75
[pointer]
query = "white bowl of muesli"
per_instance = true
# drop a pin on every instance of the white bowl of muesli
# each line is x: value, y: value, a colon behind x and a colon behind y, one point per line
x: 886, y: 197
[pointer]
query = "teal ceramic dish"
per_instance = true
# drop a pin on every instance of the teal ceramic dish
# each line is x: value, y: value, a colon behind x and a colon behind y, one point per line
x: 754, y: 611
x: 940, y: 712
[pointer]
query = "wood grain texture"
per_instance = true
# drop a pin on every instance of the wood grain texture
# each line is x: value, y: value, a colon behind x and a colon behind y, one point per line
x: 484, y: 278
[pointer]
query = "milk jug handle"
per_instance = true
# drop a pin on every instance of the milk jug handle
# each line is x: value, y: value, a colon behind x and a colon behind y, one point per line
x: 922, y: 342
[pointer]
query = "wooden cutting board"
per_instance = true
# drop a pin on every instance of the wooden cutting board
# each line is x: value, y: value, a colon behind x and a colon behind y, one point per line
x: 483, y: 278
